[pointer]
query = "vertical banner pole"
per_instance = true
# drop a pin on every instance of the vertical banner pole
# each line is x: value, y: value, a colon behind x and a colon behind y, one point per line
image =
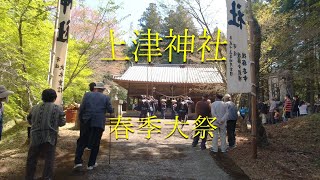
x: 61, y: 48
x: 53, y: 50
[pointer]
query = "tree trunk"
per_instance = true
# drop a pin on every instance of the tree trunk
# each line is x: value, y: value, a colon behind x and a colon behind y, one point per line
x: 262, y: 139
x: 24, y: 68
x: 243, y: 124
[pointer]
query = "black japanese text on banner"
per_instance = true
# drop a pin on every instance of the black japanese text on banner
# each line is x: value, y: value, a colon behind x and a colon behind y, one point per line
x: 61, y: 48
x: 238, y: 62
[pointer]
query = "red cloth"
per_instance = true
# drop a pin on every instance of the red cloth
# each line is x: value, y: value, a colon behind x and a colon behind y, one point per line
x: 288, y: 105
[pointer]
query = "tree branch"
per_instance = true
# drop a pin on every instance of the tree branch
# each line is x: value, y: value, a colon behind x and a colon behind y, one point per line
x: 75, y: 72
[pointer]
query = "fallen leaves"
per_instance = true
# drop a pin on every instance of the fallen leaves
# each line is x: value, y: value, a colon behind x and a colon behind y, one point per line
x: 293, y: 152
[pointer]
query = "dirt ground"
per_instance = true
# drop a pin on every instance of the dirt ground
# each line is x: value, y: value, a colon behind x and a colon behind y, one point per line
x: 293, y: 152
x: 136, y: 158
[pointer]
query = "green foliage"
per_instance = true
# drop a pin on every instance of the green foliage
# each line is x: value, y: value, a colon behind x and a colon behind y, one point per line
x: 178, y: 19
x: 25, y: 42
x: 24, y: 49
x: 13, y: 110
x: 120, y: 92
x: 80, y: 83
x: 151, y: 19
x: 290, y: 44
x: 14, y: 137
x: 107, y: 77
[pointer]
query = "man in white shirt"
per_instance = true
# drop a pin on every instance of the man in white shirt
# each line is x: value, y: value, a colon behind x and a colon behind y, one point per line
x: 219, y: 110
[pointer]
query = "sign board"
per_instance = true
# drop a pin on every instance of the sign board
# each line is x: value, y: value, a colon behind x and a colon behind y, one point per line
x: 238, y: 62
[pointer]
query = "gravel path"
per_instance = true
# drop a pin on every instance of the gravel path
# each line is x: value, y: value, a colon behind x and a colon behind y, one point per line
x: 136, y: 158
x: 156, y: 158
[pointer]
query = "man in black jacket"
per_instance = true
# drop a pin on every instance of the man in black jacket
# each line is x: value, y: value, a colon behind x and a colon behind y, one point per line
x: 203, y: 110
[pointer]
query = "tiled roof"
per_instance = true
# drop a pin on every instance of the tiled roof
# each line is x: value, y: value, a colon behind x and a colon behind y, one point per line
x: 169, y: 73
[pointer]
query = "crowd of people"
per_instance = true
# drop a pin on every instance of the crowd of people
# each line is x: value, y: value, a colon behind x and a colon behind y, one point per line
x: 226, y: 114
x: 148, y: 106
x: 46, y: 117
x: 222, y: 108
x: 278, y: 111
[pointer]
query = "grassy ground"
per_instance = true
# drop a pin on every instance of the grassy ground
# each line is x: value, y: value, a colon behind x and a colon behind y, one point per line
x: 13, y: 149
x: 12, y: 133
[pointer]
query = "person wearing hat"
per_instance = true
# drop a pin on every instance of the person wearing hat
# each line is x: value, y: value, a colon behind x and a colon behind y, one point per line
x: 92, y: 117
x: 4, y: 93
x: 231, y: 117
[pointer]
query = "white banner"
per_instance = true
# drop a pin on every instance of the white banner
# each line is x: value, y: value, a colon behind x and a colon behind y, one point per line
x: 61, y: 48
x: 238, y: 62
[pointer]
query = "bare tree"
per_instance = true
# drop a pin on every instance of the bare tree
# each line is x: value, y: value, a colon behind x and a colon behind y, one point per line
x: 91, y: 27
x: 196, y: 9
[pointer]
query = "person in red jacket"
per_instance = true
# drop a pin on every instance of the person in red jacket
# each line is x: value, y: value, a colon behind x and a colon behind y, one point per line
x: 287, y: 108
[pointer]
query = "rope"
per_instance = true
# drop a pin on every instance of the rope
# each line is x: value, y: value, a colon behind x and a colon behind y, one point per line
x: 173, y: 97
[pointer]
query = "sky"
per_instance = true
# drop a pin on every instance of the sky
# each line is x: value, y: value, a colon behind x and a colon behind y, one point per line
x: 215, y: 12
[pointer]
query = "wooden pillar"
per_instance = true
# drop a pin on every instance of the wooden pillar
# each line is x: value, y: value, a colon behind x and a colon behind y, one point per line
x: 254, y: 83
x: 128, y: 98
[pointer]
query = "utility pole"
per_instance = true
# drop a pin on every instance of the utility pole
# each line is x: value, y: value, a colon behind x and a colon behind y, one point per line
x: 253, y: 81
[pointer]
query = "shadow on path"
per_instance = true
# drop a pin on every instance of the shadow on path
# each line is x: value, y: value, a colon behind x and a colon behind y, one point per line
x: 229, y: 166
